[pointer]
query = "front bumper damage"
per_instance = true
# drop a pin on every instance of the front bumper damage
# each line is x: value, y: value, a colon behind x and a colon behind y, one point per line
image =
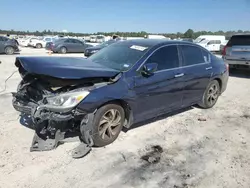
x: 51, y: 127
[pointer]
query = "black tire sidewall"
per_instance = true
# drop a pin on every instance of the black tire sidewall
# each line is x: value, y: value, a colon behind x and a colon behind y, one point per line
x: 99, y: 113
x: 205, y: 103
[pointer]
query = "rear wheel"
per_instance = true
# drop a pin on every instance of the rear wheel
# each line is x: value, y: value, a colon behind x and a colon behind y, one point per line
x: 63, y: 50
x: 9, y: 50
x: 211, y: 95
x: 38, y: 45
x: 107, y: 124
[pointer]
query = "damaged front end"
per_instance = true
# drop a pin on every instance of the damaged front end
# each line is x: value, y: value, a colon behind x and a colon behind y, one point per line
x: 48, y: 105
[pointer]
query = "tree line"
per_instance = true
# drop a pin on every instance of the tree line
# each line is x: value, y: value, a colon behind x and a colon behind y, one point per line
x: 188, y: 34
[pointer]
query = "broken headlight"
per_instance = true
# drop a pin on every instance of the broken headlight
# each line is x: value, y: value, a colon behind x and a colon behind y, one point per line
x: 66, y: 100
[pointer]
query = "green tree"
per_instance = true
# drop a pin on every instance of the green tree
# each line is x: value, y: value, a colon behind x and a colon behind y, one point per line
x: 189, y: 33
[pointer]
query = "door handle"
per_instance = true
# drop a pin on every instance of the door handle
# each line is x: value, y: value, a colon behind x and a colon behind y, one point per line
x: 208, y: 68
x: 179, y: 75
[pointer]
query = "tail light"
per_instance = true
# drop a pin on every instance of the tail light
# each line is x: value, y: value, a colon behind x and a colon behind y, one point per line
x: 227, y: 66
x: 224, y: 50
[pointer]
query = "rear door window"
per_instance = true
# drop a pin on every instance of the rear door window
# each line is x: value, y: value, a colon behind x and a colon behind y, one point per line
x: 78, y: 41
x: 69, y: 41
x: 192, y: 55
x: 214, y: 42
x: 239, y: 40
x: 206, y: 56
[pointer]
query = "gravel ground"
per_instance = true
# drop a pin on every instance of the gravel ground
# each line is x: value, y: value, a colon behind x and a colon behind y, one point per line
x: 192, y: 148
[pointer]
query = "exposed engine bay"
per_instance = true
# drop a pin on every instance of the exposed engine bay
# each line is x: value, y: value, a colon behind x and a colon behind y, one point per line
x: 49, y: 103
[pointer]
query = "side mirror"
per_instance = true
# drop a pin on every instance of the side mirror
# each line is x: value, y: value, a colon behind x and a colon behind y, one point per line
x: 149, y: 69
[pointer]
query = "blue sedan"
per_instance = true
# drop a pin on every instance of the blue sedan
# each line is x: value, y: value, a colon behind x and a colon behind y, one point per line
x: 124, y: 83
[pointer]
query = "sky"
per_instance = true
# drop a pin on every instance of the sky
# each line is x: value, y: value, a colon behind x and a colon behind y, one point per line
x: 154, y: 16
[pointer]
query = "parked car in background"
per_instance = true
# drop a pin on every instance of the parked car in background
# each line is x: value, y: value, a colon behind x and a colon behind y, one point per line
x: 65, y: 45
x: 91, y: 50
x: 40, y: 43
x: 100, y: 38
x: 222, y: 46
x: 8, y: 46
x: 122, y: 84
x: 237, y: 52
x: 210, y: 38
x: 211, y: 45
x: 92, y: 38
x: 25, y: 42
x: 156, y: 37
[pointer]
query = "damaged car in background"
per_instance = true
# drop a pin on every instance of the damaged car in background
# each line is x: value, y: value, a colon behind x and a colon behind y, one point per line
x: 124, y: 83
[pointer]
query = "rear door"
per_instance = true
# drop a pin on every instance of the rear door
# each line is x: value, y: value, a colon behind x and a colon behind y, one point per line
x: 197, y: 69
x: 69, y: 44
x: 238, y: 48
x: 80, y: 46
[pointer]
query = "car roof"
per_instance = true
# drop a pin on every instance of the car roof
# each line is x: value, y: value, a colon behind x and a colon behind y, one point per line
x: 241, y: 34
x: 154, y: 42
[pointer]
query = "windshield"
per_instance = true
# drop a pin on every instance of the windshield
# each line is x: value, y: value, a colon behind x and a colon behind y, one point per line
x: 198, y: 40
x: 119, y: 56
x: 100, y: 37
x: 204, y: 42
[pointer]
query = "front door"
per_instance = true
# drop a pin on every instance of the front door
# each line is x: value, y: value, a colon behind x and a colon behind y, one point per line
x: 197, y: 69
x: 162, y: 91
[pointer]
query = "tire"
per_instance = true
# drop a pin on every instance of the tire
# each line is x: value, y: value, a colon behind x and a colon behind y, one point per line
x: 9, y: 50
x: 210, y: 95
x: 39, y: 45
x: 102, y: 124
x: 63, y: 50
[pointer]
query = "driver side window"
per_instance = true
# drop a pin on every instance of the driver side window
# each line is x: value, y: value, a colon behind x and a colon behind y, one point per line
x: 166, y: 58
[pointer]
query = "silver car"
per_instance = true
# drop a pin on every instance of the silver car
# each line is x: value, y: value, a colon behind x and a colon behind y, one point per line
x: 237, y: 51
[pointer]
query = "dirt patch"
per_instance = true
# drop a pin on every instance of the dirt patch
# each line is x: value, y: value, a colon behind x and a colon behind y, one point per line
x: 153, y: 156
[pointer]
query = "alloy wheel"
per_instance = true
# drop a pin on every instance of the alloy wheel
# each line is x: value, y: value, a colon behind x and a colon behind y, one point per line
x: 9, y: 50
x: 63, y: 50
x: 213, y: 94
x: 109, y: 124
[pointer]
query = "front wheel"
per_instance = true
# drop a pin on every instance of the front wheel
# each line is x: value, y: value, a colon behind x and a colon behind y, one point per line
x: 107, y: 124
x: 211, y: 95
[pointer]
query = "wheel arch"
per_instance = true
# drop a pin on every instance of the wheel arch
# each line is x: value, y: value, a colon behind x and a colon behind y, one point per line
x: 219, y: 81
x: 129, y: 118
x: 63, y: 46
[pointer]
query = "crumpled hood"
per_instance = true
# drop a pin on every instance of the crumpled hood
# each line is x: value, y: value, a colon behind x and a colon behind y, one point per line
x: 64, y: 67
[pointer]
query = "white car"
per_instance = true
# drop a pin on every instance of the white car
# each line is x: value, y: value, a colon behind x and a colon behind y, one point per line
x: 92, y: 38
x: 211, y: 45
x: 41, y: 43
x: 26, y: 41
